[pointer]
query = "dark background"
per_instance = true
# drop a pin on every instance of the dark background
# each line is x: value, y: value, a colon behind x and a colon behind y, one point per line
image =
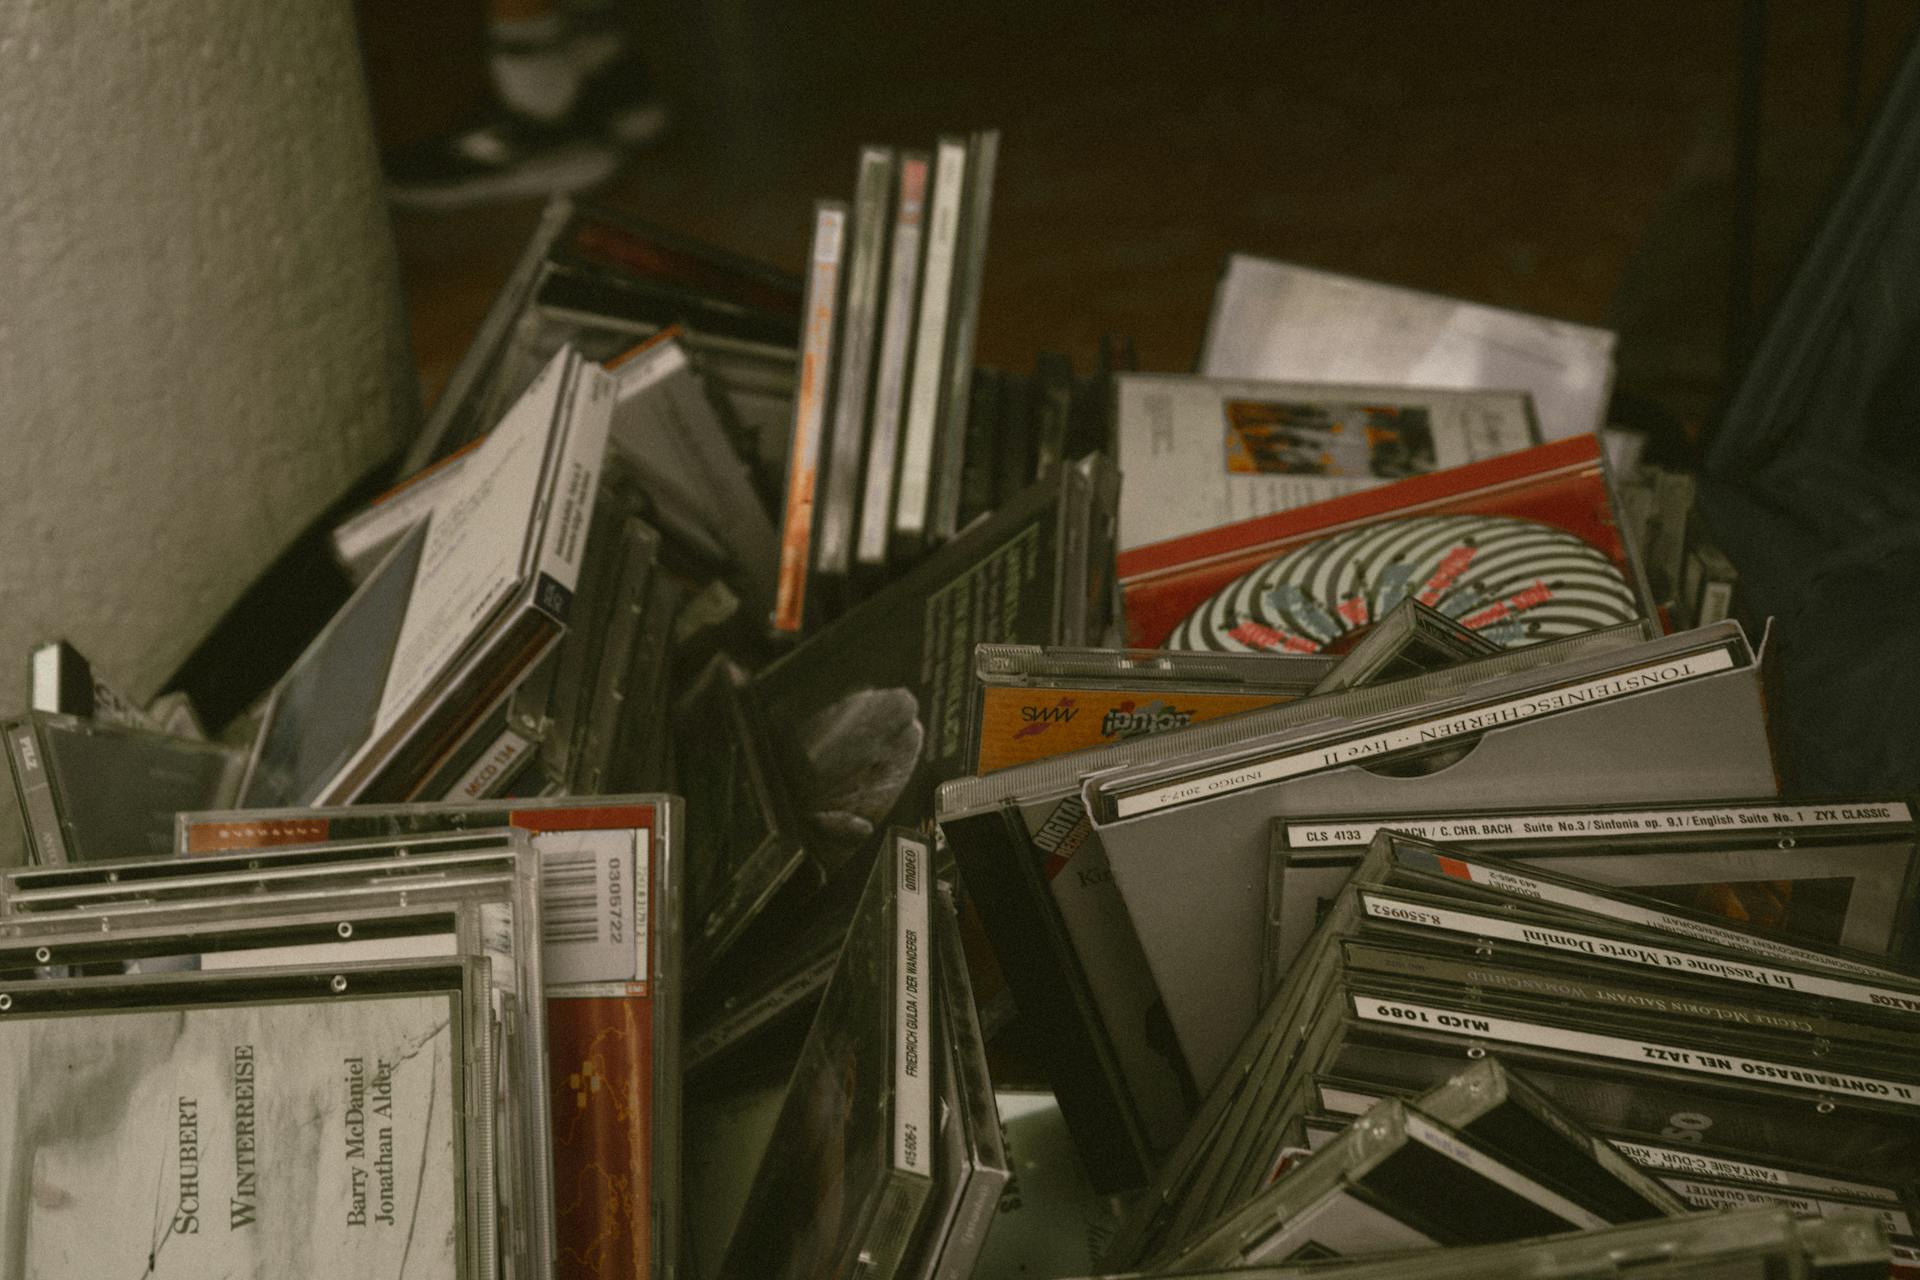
x: 1573, y: 158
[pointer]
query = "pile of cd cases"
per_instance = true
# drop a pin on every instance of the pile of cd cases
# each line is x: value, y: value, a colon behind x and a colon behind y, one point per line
x: 443, y: 1041
x: 1727, y: 1064
x: 354, y: 1035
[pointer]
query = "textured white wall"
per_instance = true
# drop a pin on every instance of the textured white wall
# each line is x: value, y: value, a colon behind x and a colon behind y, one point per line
x: 201, y: 338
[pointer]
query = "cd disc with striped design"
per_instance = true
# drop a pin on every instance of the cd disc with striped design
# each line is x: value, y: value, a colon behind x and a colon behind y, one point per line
x: 1514, y: 581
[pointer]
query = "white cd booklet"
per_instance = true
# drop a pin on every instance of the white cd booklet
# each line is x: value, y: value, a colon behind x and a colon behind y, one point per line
x: 246, y: 1140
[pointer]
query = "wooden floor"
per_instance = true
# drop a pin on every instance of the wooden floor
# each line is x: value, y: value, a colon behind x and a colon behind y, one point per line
x: 1570, y: 158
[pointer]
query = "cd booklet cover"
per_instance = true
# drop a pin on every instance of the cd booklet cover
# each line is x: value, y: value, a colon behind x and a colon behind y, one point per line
x: 288, y: 1139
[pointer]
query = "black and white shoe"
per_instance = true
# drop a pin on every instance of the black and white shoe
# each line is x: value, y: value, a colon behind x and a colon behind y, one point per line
x: 570, y: 99
x: 503, y: 157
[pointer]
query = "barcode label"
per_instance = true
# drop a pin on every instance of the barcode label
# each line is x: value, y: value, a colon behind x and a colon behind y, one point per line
x: 572, y: 883
x: 593, y: 905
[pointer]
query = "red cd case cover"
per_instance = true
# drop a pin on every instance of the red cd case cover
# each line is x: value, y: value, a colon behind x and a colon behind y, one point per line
x: 1563, y: 485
